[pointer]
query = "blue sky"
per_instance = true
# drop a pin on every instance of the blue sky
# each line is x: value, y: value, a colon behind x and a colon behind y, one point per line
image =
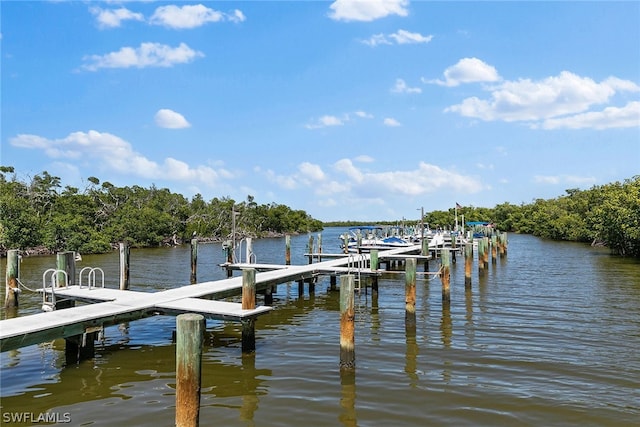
x: 361, y: 110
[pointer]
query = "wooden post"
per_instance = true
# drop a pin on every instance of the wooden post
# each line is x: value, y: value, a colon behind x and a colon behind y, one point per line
x: 248, y: 288
x: 228, y: 248
x: 194, y: 261
x: 332, y: 283
x: 287, y: 250
x: 486, y: 252
x: 11, y: 279
x: 249, y: 250
x: 319, y: 247
x: 268, y: 295
x: 481, y: 255
x: 347, y: 323
x: 373, y: 257
x: 468, y: 263
x: 445, y: 275
x: 494, y: 249
x: 65, y: 261
x: 124, y: 266
x: 248, y: 303
x: 345, y: 242
x: 504, y: 244
x: 189, y: 337
x: 310, y: 249
x: 79, y: 347
x: 410, y: 291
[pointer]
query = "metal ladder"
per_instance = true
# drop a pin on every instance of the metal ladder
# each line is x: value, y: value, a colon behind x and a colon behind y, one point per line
x: 50, y: 304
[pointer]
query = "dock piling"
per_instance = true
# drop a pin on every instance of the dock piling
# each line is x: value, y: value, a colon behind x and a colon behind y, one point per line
x: 248, y: 303
x: 373, y: 262
x: 124, y: 265
x: 445, y: 276
x: 11, y: 279
x: 287, y: 251
x: 410, y: 291
x: 194, y: 261
x: 468, y: 263
x: 347, y: 322
x: 189, y: 337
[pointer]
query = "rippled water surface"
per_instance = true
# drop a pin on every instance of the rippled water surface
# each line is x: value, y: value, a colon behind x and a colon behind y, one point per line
x: 549, y: 335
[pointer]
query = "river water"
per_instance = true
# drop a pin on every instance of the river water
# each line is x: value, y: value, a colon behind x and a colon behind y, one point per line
x: 549, y: 335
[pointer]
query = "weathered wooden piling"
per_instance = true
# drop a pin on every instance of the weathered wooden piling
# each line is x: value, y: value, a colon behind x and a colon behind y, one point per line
x: 79, y: 347
x: 249, y: 256
x: 480, y: 256
x: 66, y: 262
x: 229, y: 247
x: 194, y: 261
x: 189, y: 337
x: 468, y: 264
x: 373, y: 261
x: 287, y: 249
x: 248, y: 303
x: 124, y: 265
x: 332, y: 283
x: 310, y: 248
x: 494, y: 249
x: 11, y: 279
x: 345, y: 243
x: 503, y: 245
x: 410, y: 291
x: 487, y: 248
x: 454, y: 246
x: 445, y: 275
x: 347, y: 322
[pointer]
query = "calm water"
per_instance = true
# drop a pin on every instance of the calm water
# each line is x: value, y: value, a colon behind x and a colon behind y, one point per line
x: 548, y: 336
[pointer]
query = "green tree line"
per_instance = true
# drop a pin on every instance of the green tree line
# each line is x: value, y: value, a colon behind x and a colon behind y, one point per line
x: 606, y: 214
x: 42, y: 214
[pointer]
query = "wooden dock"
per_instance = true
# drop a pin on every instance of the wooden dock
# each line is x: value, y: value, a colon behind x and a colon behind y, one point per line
x: 106, y: 307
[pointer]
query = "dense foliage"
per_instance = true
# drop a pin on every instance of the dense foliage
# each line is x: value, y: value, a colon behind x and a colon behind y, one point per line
x: 41, y: 213
x: 607, y: 214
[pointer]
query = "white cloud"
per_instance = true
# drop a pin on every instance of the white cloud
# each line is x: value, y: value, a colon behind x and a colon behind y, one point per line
x: 467, y: 70
x: 147, y: 55
x: 363, y: 115
x: 610, y: 117
x: 364, y: 158
x: 191, y: 16
x: 115, y: 154
x: 331, y: 120
x: 426, y: 179
x: 367, y: 10
x: 325, y: 121
x: 112, y: 18
x: 399, y: 37
x: 171, y: 120
x: 557, y: 100
x: 311, y: 171
x: 391, y: 122
x: 401, y: 87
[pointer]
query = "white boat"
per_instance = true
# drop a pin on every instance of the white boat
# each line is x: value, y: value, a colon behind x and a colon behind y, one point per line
x: 367, y: 237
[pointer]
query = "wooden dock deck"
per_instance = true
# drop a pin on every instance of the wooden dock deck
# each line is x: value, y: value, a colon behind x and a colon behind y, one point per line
x: 112, y: 306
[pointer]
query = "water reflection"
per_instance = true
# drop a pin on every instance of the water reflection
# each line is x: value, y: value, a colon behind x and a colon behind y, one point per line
x: 348, y: 416
x: 411, y: 355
